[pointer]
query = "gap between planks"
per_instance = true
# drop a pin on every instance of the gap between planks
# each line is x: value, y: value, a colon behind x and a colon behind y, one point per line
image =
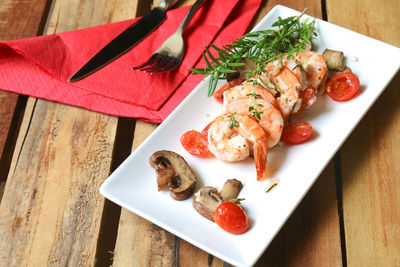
x: 125, y: 137
x: 111, y: 212
x: 39, y: 11
x: 11, y: 140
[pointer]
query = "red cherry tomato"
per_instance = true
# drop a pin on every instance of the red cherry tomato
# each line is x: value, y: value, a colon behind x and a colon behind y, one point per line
x: 196, y: 143
x: 231, y: 218
x: 296, y: 133
x: 219, y: 94
x: 342, y: 86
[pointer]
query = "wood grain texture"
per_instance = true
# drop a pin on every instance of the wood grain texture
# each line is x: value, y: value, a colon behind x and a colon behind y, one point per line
x: 21, y: 19
x: 377, y: 19
x: 8, y: 104
x: 313, y: 8
x: 51, y: 210
x: 141, y: 243
x: 192, y: 256
x: 51, y: 200
x: 18, y: 19
x: 369, y: 158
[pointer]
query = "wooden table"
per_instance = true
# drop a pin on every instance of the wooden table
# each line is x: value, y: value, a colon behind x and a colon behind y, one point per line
x: 54, y: 158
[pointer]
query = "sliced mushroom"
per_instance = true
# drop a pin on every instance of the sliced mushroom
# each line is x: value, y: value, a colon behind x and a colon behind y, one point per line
x: 345, y: 69
x: 173, y: 174
x: 242, y: 70
x: 231, y: 189
x: 334, y: 59
x: 207, y: 199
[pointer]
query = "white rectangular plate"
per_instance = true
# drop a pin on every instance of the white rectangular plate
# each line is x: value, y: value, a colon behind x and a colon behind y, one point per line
x: 133, y: 185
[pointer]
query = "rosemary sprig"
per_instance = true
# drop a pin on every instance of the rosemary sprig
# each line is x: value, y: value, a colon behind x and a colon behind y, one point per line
x: 274, y: 183
x: 291, y: 37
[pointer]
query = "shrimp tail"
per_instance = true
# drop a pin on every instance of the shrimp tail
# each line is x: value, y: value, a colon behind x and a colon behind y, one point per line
x: 260, y: 158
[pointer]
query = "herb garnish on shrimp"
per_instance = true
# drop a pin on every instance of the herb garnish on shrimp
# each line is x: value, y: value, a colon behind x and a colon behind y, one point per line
x: 291, y: 38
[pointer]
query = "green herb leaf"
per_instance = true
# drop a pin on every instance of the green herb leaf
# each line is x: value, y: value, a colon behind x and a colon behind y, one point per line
x: 233, y: 122
x: 291, y: 37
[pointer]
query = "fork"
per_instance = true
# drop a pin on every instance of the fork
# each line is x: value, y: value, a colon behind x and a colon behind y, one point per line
x: 169, y: 55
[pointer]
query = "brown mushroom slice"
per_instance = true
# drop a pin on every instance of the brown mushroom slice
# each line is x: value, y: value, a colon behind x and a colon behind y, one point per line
x: 206, y: 201
x: 231, y: 189
x: 173, y: 174
x: 334, y: 59
x: 333, y: 73
x: 242, y: 71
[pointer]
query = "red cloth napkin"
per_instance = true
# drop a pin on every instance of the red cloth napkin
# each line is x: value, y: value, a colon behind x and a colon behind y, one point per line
x: 41, y: 66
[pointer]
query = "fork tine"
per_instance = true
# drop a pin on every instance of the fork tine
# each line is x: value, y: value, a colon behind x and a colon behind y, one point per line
x: 162, y: 60
x: 174, y: 64
x: 173, y: 46
x: 148, y: 62
x: 162, y: 65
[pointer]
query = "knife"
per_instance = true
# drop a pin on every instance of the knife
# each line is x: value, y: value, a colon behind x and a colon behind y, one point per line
x: 125, y: 40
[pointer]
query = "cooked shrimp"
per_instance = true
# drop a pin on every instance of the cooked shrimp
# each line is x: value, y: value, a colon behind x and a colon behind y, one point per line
x: 232, y: 143
x: 293, y: 65
x: 315, y: 67
x: 270, y: 118
x: 245, y: 89
x: 288, y: 84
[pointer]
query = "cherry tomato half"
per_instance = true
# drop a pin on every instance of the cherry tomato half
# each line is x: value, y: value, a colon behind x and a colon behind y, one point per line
x: 196, y: 143
x: 342, y: 86
x: 231, y: 218
x: 219, y: 94
x: 296, y: 133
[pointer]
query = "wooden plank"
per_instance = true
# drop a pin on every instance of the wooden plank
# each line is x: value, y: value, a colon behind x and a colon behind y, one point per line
x: 21, y: 19
x: 8, y: 104
x: 18, y: 19
x: 369, y: 158
x: 51, y: 200
x: 51, y: 209
x: 313, y: 8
